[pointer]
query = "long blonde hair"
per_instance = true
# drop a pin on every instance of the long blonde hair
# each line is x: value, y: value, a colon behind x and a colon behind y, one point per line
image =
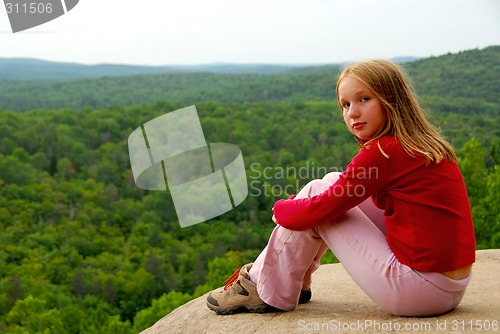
x: 405, y: 118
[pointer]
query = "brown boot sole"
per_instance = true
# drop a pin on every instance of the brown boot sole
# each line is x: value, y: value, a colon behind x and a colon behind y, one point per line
x: 242, y: 308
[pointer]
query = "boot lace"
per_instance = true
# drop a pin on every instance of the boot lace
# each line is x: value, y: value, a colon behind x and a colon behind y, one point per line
x: 232, y: 279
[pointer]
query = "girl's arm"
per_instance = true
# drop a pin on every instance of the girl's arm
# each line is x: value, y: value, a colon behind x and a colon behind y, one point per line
x: 364, y: 176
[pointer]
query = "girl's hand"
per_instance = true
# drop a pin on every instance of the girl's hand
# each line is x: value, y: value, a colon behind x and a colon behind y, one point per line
x: 274, y: 218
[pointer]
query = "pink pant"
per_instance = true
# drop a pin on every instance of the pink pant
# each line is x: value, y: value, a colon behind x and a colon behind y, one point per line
x: 285, y: 265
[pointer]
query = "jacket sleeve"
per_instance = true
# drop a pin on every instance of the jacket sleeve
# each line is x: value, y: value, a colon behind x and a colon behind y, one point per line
x: 363, y: 177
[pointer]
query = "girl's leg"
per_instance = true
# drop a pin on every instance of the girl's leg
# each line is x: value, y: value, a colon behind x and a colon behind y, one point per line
x: 290, y: 276
x: 285, y: 265
x: 375, y: 214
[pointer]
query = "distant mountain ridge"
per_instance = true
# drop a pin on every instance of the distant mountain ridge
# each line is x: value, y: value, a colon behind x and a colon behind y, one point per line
x: 464, y: 83
x: 38, y: 69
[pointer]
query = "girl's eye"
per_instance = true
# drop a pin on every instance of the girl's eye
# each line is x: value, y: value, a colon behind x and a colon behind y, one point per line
x: 364, y: 99
x: 347, y: 105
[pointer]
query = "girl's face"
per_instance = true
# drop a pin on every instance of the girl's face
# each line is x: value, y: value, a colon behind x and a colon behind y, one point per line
x: 363, y: 113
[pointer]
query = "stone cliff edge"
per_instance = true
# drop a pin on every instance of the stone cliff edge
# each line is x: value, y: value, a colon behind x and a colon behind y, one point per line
x: 339, y: 306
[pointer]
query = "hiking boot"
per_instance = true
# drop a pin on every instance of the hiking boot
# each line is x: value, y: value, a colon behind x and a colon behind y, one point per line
x: 239, y: 295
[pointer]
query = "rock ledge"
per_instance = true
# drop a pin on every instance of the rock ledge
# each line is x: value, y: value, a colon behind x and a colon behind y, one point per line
x: 339, y: 306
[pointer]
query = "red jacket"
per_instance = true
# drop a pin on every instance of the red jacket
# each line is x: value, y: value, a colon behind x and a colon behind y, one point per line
x: 426, y: 208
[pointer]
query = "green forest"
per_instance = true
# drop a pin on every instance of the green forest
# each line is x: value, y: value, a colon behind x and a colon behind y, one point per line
x: 83, y: 250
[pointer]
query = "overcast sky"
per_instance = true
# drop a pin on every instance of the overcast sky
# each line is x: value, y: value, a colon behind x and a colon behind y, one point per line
x: 161, y: 32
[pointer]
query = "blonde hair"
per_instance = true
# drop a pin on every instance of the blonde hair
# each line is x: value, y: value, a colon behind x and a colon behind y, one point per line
x: 405, y: 118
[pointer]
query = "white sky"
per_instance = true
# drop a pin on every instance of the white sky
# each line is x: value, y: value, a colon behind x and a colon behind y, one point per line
x: 161, y: 32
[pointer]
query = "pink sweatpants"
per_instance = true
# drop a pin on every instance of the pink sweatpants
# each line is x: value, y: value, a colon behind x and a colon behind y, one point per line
x: 358, y: 240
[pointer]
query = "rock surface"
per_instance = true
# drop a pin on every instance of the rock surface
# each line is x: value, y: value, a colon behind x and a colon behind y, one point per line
x: 339, y: 306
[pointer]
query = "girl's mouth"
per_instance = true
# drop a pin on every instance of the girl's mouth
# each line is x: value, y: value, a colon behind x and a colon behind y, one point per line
x: 358, y: 125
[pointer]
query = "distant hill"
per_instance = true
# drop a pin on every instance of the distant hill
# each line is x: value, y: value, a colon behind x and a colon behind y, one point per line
x: 37, y: 69
x: 468, y: 74
x: 469, y: 77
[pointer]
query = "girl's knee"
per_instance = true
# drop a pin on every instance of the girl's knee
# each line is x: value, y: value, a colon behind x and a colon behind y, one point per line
x: 331, y: 177
x: 317, y: 186
x: 313, y: 188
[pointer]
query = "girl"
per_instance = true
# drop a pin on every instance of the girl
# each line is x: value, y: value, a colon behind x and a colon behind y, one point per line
x: 398, y: 218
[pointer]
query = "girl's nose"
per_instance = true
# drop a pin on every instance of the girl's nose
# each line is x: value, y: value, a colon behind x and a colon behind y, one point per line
x: 353, y: 111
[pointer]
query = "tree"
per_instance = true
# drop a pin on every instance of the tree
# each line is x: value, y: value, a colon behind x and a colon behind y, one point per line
x: 32, y: 315
x: 78, y: 285
x: 15, y: 290
x: 159, y: 308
